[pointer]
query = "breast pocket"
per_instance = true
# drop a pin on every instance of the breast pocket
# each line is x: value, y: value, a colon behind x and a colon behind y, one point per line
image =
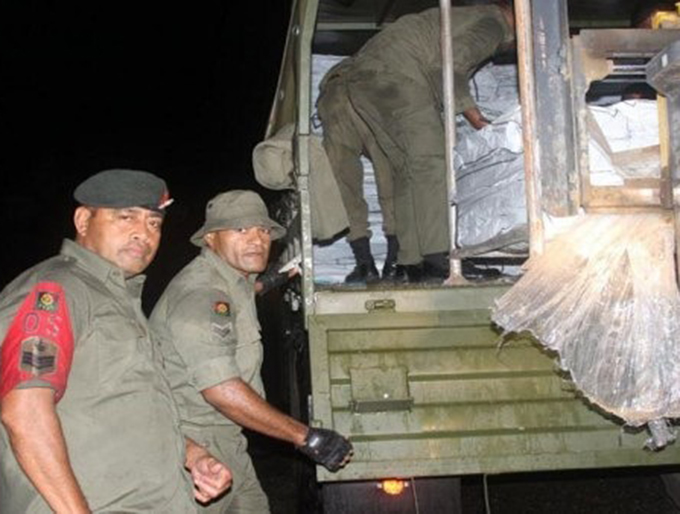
x: 123, y: 347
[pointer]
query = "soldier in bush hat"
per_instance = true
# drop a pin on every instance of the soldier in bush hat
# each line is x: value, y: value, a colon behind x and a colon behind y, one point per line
x: 236, y: 210
x: 209, y: 335
x: 88, y: 419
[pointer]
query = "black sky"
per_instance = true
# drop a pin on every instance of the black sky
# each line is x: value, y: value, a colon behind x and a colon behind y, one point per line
x: 182, y: 90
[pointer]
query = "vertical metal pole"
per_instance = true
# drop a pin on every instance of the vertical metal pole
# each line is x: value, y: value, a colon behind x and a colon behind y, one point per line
x: 668, y: 115
x: 525, y: 61
x: 555, y: 110
x: 456, y: 275
x: 662, y: 73
x: 666, y: 184
x: 305, y: 33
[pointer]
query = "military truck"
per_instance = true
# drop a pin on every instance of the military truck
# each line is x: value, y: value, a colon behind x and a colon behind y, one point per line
x: 414, y: 375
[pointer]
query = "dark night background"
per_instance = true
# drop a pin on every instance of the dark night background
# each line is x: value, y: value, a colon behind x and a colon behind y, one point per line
x: 179, y: 89
x: 183, y: 90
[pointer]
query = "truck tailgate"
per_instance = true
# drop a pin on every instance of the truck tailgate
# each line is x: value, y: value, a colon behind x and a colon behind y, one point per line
x: 418, y: 381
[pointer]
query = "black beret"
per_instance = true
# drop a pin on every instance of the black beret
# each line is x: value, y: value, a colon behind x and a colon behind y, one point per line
x: 120, y: 188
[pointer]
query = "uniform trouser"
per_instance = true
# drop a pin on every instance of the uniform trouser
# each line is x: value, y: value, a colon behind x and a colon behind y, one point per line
x: 245, y: 495
x: 402, y: 115
x: 181, y: 502
x: 18, y: 495
x: 346, y: 139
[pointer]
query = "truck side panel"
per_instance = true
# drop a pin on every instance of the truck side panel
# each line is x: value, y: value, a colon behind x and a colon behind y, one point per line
x: 432, y: 393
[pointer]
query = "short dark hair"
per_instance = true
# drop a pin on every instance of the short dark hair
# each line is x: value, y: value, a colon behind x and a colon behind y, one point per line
x: 645, y: 10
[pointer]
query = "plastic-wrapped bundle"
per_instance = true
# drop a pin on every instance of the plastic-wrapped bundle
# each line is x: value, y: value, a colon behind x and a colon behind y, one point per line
x: 490, y: 181
x: 604, y: 297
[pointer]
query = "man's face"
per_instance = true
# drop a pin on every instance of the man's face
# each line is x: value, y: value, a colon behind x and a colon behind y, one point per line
x: 128, y: 238
x: 245, y: 249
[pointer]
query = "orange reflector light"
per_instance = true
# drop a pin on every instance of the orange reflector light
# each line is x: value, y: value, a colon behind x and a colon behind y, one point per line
x: 393, y: 487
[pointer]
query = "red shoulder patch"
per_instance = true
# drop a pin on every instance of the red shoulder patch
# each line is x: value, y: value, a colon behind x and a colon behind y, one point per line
x: 39, y: 342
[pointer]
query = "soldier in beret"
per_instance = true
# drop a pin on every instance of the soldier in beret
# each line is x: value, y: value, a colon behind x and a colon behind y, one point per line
x: 208, y: 331
x: 89, y: 423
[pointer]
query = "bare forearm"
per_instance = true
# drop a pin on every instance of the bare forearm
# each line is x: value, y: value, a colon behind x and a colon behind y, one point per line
x: 241, y: 404
x: 38, y: 444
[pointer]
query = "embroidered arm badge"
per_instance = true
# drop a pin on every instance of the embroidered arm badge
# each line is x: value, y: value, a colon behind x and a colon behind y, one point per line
x: 39, y: 343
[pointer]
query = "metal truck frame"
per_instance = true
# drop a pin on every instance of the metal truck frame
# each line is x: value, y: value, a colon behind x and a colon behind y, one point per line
x: 415, y: 376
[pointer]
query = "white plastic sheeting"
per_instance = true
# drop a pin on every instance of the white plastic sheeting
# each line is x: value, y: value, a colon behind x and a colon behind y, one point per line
x: 489, y: 163
x: 604, y: 297
x: 630, y: 150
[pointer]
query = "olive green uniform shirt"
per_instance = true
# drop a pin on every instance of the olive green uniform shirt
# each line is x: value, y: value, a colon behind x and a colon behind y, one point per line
x: 207, y: 327
x: 120, y: 423
x: 206, y: 323
x: 411, y: 47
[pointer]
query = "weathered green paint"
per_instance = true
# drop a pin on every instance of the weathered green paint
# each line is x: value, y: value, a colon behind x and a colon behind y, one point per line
x: 474, y: 406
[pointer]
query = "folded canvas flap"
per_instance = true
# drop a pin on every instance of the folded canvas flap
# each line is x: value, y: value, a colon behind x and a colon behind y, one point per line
x: 273, y: 165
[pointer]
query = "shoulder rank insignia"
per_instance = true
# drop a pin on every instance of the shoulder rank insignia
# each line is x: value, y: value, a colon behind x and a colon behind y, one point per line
x: 222, y: 309
x: 46, y: 301
x: 38, y: 356
x: 222, y: 329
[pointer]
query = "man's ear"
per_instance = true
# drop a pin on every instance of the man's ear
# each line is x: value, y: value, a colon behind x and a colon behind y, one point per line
x: 209, y: 239
x: 81, y: 220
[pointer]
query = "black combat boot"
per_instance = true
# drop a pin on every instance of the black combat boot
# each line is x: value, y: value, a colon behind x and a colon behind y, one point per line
x: 414, y: 273
x: 470, y: 270
x: 393, y: 272
x: 365, y: 271
x: 436, y: 266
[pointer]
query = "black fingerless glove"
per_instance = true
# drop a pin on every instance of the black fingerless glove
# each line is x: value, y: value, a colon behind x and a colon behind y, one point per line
x: 326, y: 447
x: 271, y: 279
